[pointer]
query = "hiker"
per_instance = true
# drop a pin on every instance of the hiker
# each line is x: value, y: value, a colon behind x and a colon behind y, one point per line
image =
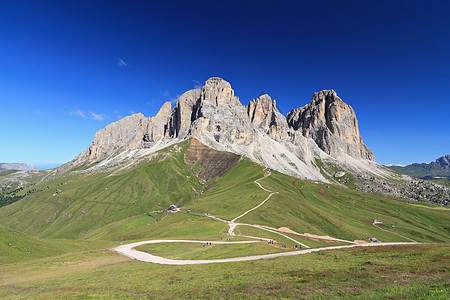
x: 203, y: 245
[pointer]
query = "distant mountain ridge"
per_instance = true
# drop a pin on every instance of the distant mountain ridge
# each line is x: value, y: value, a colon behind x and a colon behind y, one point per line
x: 438, y: 168
x: 17, y: 166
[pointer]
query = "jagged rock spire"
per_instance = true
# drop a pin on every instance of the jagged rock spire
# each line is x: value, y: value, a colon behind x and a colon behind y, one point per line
x: 332, y: 124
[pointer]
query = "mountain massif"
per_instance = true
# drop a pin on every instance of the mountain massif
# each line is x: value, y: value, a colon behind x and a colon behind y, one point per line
x: 319, y: 141
x: 325, y: 128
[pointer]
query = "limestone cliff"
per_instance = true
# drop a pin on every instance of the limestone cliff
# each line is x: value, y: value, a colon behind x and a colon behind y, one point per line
x: 264, y: 114
x: 332, y: 124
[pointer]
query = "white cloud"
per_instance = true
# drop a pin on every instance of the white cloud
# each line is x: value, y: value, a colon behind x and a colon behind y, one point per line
x: 197, y: 84
x: 174, y: 100
x: 132, y: 112
x: 166, y: 94
x: 78, y: 112
x: 97, y: 117
x: 122, y: 63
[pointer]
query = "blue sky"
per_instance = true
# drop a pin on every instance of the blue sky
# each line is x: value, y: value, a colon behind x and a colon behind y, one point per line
x: 69, y: 68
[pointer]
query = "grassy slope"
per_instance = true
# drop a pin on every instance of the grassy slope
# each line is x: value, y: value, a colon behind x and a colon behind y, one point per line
x: 344, y: 213
x: 16, y: 246
x: 406, y: 272
x: 87, y: 202
x: 235, y: 192
x: 197, y: 251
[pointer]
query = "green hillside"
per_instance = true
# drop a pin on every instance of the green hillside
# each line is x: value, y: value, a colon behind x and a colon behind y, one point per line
x: 73, y: 205
x: 16, y: 246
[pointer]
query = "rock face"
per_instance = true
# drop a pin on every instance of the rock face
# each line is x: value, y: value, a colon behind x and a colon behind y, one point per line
x: 264, y: 114
x: 215, y: 116
x: 332, y: 124
x: 442, y: 162
x: 220, y: 113
x: 156, y: 126
x: 181, y: 118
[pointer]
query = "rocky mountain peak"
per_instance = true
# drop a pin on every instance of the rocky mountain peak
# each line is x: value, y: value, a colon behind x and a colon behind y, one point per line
x: 263, y: 113
x: 443, y: 161
x: 218, y: 91
x: 332, y: 124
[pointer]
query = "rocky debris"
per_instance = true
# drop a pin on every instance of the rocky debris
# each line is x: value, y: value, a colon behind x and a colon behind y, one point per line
x: 404, y: 187
x: 339, y: 174
x: 332, y: 124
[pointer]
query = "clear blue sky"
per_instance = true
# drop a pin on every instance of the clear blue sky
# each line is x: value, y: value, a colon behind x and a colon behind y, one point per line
x: 69, y: 68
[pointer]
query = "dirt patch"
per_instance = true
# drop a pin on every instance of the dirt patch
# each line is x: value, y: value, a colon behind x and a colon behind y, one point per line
x: 360, y: 242
x: 163, y: 158
x: 293, y: 183
x: 318, y: 236
x: 285, y: 229
x: 367, y: 222
x: 322, y: 192
x: 209, y: 162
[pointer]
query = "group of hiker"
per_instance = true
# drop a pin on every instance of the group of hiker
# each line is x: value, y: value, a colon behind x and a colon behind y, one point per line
x: 207, y: 244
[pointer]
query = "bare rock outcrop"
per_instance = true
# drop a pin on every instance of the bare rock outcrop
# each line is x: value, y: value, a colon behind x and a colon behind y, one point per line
x: 182, y: 115
x: 156, y: 126
x: 220, y: 113
x: 263, y: 113
x: 332, y: 124
x: 126, y: 133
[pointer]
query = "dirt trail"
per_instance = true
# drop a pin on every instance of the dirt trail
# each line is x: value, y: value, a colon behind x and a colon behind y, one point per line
x: 395, y: 233
x: 128, y: 251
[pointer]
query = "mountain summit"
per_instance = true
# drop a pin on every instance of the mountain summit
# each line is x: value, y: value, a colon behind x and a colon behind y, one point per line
x: 325, y: 128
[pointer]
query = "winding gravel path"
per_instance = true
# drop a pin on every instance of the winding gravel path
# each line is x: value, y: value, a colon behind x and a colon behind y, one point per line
x: 128, y: 251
